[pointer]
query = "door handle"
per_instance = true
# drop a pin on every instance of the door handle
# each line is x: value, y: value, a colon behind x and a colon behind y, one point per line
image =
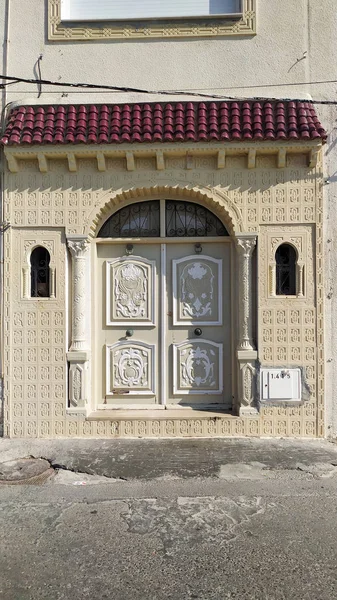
x: 198, y: 331
x: 129, y: 332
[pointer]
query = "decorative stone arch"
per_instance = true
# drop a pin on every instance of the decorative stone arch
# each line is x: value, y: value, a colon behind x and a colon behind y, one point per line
x: 217, y: 202
x: 224, y: 208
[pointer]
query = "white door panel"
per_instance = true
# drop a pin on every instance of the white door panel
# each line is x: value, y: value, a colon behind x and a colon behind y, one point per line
x: 197, y: 290
x: 199, y: 324
x: 197, y: 367
x: 162, y: 324
x: 130, y: 285
x: 130, y: 368
x: 126, y: 325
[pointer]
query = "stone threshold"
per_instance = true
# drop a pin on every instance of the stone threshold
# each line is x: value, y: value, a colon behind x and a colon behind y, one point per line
x: 160, y: 414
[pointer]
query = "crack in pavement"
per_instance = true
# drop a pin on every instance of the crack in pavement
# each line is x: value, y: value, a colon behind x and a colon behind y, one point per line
x: 90, y: 476
x: 190, y: 521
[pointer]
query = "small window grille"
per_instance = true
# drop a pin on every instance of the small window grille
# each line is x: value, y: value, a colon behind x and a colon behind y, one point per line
x: 39, y: 272
x: 187, y: 219
x: 286, y: 261
x: 136, y: 220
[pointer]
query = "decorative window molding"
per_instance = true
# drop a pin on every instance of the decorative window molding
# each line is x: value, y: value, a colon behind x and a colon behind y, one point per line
x: 287, y: 278
x: 119, y: 10
x: 38, y: 270
x: 285, y: 270
x: 171, y: 27
x: 40, y: 273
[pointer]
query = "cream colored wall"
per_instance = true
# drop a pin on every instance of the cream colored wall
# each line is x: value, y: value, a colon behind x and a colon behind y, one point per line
x: 284, y: 33
x: 41, y: 207
x: 295, y: 43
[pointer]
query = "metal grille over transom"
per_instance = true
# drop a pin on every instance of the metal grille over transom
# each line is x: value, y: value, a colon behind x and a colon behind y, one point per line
x: 135, y: 220
x: 182, y: 219
x: 187, y: 219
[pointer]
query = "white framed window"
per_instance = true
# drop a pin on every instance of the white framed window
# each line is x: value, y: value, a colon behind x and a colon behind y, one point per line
x: 127, y: 10
x: 90, y: 20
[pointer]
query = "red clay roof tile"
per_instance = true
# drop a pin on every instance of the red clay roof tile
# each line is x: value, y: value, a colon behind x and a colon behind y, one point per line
x: 171, y: 122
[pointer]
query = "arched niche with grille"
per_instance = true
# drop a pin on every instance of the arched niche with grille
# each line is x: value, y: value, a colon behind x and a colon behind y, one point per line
x: 170, y: 218
x: 288, y: 280
x: 38, y: 274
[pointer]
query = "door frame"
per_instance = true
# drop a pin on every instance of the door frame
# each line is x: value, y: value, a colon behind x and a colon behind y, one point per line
x: 161, y: 388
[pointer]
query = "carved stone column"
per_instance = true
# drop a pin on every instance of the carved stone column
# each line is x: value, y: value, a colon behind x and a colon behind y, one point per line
x: 245, y: 246
x: 78, y: 355
x: 246, y: 353
x: 78, y: 247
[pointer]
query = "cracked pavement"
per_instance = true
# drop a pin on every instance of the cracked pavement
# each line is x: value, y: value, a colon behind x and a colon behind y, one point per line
x: 216, y: 520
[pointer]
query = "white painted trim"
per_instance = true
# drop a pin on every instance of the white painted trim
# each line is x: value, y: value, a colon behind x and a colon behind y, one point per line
x: 233, y: 321
x: 196, y: 257
x: 126, y: 344
x: 163, y: 326
x: 193, y: 392
x: 130, y: 322
x: 162, y: 218
x: 128, y: 407
x: 201, y: 406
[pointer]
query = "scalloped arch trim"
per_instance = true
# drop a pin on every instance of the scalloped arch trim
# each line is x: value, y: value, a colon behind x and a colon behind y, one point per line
x: 218, y: 202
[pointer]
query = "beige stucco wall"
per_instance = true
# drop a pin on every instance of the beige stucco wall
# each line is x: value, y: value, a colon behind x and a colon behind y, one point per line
x: 273, y: 56
x: 294, y: 44
x: 279, y: 204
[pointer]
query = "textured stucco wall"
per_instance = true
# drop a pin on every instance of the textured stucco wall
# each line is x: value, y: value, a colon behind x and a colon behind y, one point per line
x: 294, y: 44
x: 280, y: 205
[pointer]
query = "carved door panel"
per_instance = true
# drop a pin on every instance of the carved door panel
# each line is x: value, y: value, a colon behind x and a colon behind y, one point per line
x: 127, y: 318
x: 199, y: 324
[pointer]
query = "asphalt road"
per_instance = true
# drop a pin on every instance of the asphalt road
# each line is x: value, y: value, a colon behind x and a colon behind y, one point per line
x: 249, y: 531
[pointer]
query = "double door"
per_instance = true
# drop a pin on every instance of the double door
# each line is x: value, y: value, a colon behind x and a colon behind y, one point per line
x: 163, y: 324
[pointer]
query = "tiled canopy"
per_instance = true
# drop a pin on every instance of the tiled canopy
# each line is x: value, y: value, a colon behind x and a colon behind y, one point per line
x: 166, y: 122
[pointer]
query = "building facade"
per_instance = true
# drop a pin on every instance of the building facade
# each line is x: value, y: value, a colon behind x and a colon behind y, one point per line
x: 165, y: 258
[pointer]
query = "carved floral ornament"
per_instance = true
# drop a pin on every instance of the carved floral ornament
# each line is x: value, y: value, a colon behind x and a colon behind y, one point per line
x: 78, y: 248
x: 246, y: 245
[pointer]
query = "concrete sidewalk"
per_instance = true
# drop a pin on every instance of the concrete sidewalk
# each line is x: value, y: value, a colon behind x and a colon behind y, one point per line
x: 178, y: 459
x: 168, y: 519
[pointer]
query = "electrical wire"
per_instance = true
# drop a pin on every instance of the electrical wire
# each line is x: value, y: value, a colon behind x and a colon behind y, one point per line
x: 92, y: 86
x: 39, y: 84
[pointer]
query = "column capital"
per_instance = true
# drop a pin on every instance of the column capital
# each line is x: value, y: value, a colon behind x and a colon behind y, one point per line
x: 78, y: 245
x: 245, y: 243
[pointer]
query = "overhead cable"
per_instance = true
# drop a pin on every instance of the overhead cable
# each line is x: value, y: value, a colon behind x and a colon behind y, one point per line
x: 93, y: 86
